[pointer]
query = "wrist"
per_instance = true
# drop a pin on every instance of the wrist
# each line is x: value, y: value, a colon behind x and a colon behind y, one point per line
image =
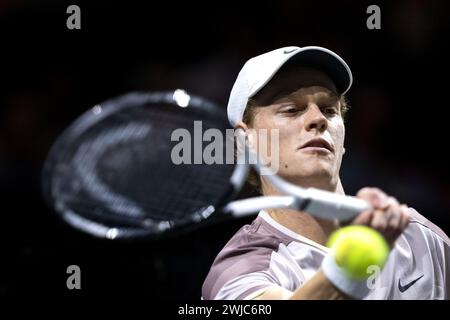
x: 353, y: 287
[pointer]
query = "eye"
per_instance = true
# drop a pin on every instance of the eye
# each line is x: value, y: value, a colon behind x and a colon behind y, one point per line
x: 330, y: 110
x: 289, y: 110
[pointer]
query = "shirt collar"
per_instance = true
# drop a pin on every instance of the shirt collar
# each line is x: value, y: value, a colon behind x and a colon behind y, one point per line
x: 264, y: 215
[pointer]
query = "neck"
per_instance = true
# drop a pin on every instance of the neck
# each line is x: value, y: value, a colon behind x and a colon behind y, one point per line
x: 301, y: 222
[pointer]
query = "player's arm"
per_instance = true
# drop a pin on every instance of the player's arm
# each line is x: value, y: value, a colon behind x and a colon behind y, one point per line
x: 388, y: 217
x: 317, y: 288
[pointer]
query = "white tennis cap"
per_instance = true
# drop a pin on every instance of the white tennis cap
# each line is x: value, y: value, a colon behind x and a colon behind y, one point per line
x: 258, y: 71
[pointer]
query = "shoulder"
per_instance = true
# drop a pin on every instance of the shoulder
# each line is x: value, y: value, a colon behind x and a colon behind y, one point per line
x: 253, y: 241
x: 426, y: 227
x: 248, y: 251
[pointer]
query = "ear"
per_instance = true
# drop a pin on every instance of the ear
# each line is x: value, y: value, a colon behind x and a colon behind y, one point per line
x: 249, y: 133
x: 241, y: 125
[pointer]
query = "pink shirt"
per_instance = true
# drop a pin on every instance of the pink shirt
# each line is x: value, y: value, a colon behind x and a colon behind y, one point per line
x: 266, y: 253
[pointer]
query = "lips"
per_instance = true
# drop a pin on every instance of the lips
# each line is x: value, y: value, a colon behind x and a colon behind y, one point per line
x: 318, y: 143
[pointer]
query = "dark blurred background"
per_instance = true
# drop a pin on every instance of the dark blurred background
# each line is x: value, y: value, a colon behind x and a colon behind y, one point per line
x: 397, y: 128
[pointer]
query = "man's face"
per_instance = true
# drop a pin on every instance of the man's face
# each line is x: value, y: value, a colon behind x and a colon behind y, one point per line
x: 303, y: 105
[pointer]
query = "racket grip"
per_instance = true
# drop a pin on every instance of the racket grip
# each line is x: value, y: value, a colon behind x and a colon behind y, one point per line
x: 328, y: 205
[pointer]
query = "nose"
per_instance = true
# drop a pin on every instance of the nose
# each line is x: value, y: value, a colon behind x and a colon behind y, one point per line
x: 314, y: 119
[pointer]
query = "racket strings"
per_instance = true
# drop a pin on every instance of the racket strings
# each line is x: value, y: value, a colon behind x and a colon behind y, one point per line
x: 122, y: 171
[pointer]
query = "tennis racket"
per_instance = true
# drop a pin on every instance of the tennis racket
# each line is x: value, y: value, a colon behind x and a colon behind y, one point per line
x: 111, y: 172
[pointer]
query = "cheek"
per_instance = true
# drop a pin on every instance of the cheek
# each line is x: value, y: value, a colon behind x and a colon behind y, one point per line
x: 265, y: 122
x: 263, y: 119
x: 337, y: 131
x: 261, y: 129
x: 279, y: 135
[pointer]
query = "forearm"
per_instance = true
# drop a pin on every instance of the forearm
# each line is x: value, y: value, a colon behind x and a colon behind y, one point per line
x: 318, y: 288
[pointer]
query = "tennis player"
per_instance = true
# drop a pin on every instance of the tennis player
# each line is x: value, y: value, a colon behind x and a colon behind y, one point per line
x: 281, y: 255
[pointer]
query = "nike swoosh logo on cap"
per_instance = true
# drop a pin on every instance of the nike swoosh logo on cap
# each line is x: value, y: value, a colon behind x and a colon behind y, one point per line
x: 407, y: 286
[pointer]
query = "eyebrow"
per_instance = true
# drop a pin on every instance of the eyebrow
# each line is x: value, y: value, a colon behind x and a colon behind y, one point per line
x: 328, y: 97
x: 278, y: 92
x: 278, y: 95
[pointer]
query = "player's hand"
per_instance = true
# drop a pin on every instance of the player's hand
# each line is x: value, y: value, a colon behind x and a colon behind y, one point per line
x: 387, y: 216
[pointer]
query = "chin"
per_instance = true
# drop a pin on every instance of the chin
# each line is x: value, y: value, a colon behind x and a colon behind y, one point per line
x: 308, y: 168
x: 318, y: 176
x: 316, y: 167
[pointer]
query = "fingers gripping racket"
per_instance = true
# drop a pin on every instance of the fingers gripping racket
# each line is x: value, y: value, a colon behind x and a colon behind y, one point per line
x: 111, y: 172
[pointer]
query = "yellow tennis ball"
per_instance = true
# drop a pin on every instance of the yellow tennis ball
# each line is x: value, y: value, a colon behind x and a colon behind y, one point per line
x: 355, y: 248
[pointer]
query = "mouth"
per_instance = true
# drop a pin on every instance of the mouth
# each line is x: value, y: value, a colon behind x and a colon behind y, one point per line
x: 317, y: 144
